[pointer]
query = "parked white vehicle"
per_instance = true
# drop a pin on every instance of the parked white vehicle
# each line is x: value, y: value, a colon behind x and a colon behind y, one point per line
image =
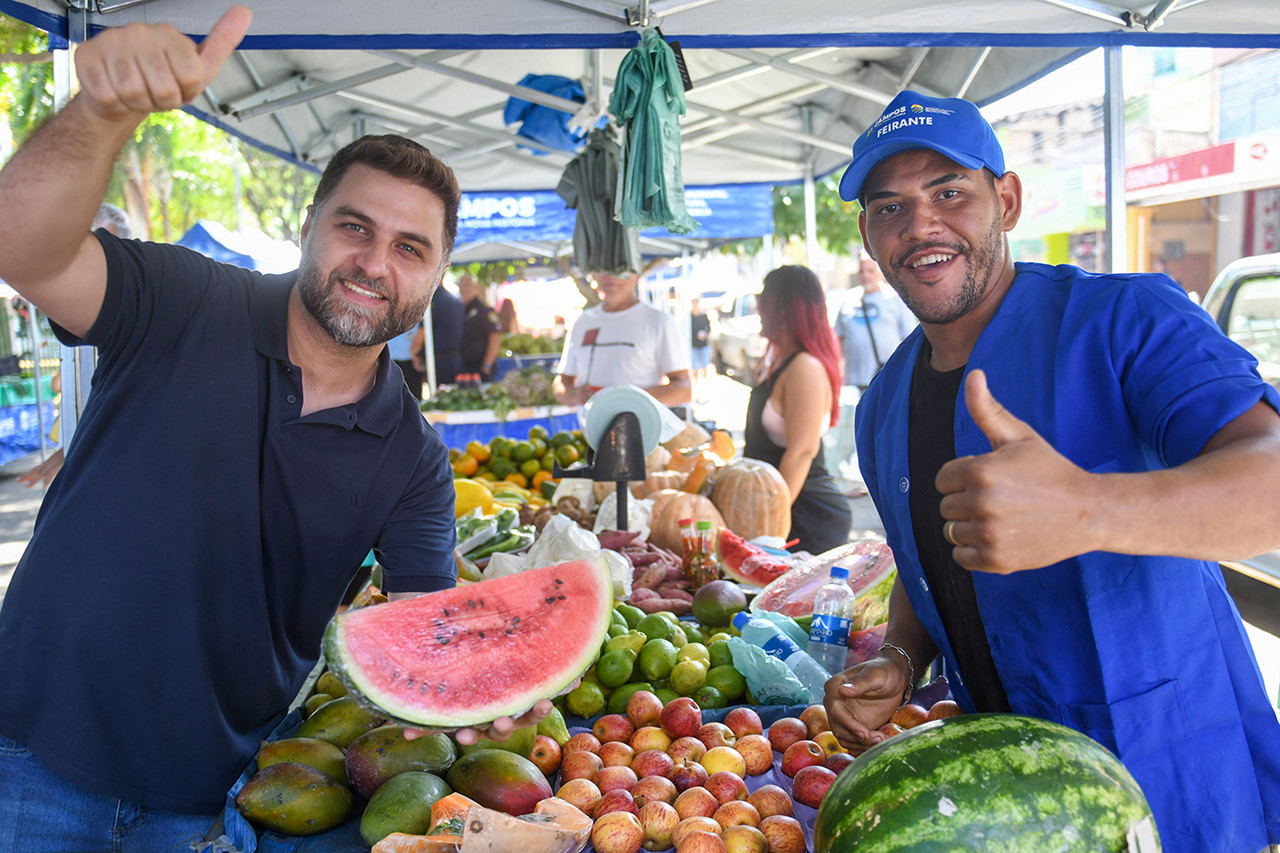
x: 1244, y: 300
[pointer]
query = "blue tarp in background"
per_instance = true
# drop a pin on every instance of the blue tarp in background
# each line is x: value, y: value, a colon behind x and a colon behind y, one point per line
x: 201, y: 239
x: 20, y: 429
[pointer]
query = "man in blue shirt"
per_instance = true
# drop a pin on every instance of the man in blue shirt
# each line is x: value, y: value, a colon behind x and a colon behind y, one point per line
x: 247, y: 442
x: 1057, y: 458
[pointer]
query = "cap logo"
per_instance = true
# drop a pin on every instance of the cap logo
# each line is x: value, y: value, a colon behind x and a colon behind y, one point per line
x: 916, y: 108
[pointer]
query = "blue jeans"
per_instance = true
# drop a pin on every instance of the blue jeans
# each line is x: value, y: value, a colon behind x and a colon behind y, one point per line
x: 42, y: 813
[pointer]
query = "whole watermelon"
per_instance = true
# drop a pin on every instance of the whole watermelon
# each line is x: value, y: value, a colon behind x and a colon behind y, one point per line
x: 992, y: 782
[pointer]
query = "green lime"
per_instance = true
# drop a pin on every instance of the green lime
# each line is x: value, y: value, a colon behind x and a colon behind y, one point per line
x: 727, y: 680
x: 498, y: 444
x: 687, y: 676
x: 655, y: 627
x: 530, y: 467
x: 502, y: 467
x: 522, y: 452
x: 548, y: 461
x: 567, y: 454
x: 693, y: 633
x: 561, y: 438
x: 616, y: 618
x: 666, y: 694
x: 585, y: 700
x: 618, y: 698
x: 590, y: 675
x: 632, y: 640
x: 709, y: 697
x: 540, y: 432
x: 720, y: 653
x: 678, y: 637
x: 694, y: 651
x: 657, y: 658
x: 614, y: 668
x: 539, y: 446
x: 631, y: 613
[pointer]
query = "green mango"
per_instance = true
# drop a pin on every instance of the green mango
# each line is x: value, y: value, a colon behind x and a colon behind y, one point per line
x: 520, y: 743
x: 402, y: 804
x: 294, y: 799
x: 316, y: 700
x: 553, y: 726
x: 329, y: 683
x: 383, y: 753
x: 312, y: 752
x: 339, y: 721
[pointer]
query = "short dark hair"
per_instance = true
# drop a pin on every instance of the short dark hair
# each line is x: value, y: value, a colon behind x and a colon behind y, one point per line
x: 401, y: 158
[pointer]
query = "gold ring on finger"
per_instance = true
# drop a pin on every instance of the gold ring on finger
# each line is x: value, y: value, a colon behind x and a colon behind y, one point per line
x: 949, y: 532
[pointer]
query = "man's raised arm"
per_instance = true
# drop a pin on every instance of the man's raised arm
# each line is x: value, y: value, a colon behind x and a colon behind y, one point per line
x: 51, y: 188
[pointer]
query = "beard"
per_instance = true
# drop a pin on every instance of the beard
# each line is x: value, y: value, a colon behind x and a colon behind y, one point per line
x: 356, y: 325
x: 980, y: 263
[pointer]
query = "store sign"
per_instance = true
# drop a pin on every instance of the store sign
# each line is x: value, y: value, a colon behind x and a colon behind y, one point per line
x: 515, y: 216
x: 730, y: 212
x: 1193, y: 166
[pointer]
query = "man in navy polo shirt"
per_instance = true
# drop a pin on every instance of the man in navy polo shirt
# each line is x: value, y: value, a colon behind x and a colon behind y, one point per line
x: 247, y: 441
x: 1059, y: 458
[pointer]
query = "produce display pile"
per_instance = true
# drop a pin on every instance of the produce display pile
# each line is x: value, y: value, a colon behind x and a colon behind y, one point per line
x: 528, y: 386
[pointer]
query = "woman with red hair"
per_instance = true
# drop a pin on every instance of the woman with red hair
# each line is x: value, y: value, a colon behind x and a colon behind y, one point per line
x: 795, y: 404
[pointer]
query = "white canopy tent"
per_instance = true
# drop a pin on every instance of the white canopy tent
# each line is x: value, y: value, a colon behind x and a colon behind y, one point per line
x: 780, y: 89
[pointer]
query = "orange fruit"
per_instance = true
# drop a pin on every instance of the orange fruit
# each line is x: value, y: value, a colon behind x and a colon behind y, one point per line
x: 538, y: 479
x: 465, y: 466
x: 479, y: 450
x: 516, y: 477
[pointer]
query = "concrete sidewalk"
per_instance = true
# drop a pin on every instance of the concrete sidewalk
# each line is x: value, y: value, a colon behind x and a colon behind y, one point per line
x: 18, y: 508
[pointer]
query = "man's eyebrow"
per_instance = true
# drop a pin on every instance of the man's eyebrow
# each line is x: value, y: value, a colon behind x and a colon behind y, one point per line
x: 936, y: 182
x: 353, y: 213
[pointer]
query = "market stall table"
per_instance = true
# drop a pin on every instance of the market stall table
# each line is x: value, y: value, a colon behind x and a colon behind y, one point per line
x: 458, y: 428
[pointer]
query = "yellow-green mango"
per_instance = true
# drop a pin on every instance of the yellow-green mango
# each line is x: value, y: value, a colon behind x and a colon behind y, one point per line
x: 310, y: 751
x: 339, y: 721
x: 294, y: 799
x: 402, y: 804
x: 378, y: 755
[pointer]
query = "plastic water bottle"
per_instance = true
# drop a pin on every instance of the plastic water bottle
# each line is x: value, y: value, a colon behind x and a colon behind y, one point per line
x: 832, y: 617
x: 766, y: 635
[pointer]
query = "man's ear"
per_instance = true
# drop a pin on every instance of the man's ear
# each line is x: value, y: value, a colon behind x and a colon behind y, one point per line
x: 1009, y: 193
x: 306, y: 223
x: 862, y: 229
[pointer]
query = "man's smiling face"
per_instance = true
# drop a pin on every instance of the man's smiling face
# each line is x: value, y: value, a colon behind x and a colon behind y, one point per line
x: 372, y: 255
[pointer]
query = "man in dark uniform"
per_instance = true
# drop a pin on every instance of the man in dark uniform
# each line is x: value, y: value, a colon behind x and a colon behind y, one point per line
x: 446, y: 337
x: 481, y: 330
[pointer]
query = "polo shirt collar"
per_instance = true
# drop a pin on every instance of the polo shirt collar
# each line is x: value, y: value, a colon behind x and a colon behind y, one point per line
x: 377, y: 412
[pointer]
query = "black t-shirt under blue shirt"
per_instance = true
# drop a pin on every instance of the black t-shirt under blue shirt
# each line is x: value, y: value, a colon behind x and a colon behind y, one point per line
x: 189, y: 555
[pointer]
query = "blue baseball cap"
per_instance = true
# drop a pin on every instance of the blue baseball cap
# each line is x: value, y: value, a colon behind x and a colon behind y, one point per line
x: 951, y: 126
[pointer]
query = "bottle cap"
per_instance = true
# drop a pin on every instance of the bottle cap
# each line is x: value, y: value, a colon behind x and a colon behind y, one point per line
x: 740, y: 619
x: 839, y: 573
x: 704, y: 525
x: 685, y: 522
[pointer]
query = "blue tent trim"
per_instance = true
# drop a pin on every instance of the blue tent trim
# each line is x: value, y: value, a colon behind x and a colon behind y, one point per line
x: 198, y: 239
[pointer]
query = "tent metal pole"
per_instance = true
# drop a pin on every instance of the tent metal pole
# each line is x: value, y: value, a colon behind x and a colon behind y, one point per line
x: 1117, y: 242
x: 830, y: 80
x: 1101, y: 11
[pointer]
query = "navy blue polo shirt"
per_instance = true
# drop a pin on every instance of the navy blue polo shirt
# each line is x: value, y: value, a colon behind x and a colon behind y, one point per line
x: 186, y: 560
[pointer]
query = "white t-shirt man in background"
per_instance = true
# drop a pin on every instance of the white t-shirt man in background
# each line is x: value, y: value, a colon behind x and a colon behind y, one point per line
x: 870, y: 325
x: 623, y: 341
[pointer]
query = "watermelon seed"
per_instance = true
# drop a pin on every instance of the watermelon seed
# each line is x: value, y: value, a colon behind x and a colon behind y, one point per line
x: 482, y: 635
x: 440, y: 689
x: 551, y: 599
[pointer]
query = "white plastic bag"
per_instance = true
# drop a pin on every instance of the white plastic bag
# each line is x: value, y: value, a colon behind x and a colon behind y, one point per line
x: 638, y: 514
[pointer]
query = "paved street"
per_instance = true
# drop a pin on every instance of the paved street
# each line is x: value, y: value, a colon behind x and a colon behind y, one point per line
x: 18, y: 508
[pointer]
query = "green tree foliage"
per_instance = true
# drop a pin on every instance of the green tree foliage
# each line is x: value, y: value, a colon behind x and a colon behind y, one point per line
x: 26, y: 77
x: 837, y: 219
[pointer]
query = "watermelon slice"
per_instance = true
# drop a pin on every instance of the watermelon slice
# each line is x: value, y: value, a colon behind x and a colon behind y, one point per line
x: 748, y: 564
x: 869, y: 561
x: 464, y: 656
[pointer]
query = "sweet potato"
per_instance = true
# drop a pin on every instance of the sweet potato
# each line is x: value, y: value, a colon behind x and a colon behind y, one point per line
x: 677, y: 606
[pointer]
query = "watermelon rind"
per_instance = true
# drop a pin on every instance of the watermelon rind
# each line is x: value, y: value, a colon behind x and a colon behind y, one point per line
x: 999, y: 783
x: 468, y: 655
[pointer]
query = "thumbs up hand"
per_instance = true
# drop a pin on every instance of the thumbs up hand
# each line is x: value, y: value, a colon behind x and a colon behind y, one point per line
x: 1021, y: 506
x: 129, y: 72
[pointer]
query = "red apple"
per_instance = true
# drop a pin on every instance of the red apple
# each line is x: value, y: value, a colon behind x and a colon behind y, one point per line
x: 743, y: 721
x: 909, y: 716
x: 581, y: 741
x: 829, y: 742
x: 784, y: 834
x: 771, y: 800
x: 616, y: 800
x: 545, y: 754
x: 687, y: 747
x: 582, y: 793
x: 838, y: 762
x: 687, y: 774
x: 659, y: 820
x: 691, y: 825
x: 613, y: 727
x: 681, y: 717
x: 814, y: 718
x: 699, y: 841
x: 644, y: 708
x: 580, y: 765
x: 744, y: 839
x: 616, y: 753
x: 652, y: 762
x: 756, y: 753
x: 650, y: 737
x: 891, y: 730
x: 802, y: 753
x: 651, y: 789
x: 696, y: 802
x: 616, y: 777
x: 944, y: 708
x: 785, y: 732
x: 716, y: 734
x: 726, y: 786
x: 811, y: 783
x: 736, y: 813
x: 617, y: 832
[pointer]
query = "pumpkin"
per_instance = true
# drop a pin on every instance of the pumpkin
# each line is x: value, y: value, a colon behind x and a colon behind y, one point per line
x: 702, y: 478
x: 658, y: 481
x: 669, y: 507
x: 657, y: 460
x: 753, y: 498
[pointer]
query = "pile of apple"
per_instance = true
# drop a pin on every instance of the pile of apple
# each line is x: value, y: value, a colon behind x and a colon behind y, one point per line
x: 659, y: 777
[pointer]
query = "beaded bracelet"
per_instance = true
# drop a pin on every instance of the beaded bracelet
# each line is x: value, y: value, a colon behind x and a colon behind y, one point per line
x: 911, y: 678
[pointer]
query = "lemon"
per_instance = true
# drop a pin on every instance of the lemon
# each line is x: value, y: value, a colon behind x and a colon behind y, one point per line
x: 468, y: 495
x: 694, y: 651
x: 687, y: 677
x: 585, y: 700
x: 657, y: 659
x: 727, y: 680
x: 614, y: 668
x: 633, y: 640
x: 678, y: 637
